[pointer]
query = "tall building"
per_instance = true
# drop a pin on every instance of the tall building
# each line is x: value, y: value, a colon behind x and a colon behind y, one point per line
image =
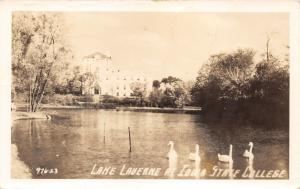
x: 109, y: 80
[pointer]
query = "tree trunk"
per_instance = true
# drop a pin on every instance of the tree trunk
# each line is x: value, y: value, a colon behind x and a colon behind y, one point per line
x: 30, y: 109
x: 41, y: 94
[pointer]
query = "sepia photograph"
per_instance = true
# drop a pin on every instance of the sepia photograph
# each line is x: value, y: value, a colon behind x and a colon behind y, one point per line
x: 149, y: 95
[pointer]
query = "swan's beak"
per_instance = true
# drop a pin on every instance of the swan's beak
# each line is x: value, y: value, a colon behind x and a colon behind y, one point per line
x: 169, y: 143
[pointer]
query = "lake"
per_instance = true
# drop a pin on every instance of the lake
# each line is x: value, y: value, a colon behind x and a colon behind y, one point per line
x: 76, y: 141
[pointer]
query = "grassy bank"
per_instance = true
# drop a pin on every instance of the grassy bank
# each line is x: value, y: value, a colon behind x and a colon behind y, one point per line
x: 29, y: 115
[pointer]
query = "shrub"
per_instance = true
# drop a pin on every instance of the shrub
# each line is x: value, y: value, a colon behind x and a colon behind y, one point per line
x: 110, y: 99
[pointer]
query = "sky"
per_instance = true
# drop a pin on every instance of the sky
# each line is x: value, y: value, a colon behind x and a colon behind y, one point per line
x: 177, y: 44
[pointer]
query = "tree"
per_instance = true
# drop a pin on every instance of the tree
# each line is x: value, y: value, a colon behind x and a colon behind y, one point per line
x: 187, y: 86
x: 269, y: 91
x: 173, y: 92
x: 138, y: 91
x: 38, y: 53
x: 225, y: 76
x: 156, y: 94
x: 233, y: 71
x: 156, y: 84
x: 232, y: 87
x: 75, y: 83
x: 88, y: 80
x: 222, y: 83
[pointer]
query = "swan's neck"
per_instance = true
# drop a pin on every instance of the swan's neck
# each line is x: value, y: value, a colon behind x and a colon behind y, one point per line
x: 251, y: 147
x: 171, y: 147
x: 230, y: 151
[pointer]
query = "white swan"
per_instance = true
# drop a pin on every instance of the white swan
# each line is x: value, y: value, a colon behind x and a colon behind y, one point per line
x: 226, y: 158
x: 172, y: 153
x: 195, y: 156
x: 249, y: 154
x: 172, y: 156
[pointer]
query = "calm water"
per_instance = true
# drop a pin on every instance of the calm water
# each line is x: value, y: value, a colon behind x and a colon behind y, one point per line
x: 78, y: 139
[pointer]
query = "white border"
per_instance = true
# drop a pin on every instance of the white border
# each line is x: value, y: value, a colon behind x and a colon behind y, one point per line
x: 6, y: 9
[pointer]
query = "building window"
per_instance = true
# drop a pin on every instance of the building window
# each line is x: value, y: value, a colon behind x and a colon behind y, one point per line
x: 124, y: 79
x: 117, y: 93
x: 124, y: 94
x: 124, y: 87
x: 117, y: 87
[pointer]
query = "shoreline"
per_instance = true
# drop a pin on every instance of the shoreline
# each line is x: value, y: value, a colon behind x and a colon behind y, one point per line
x: 17, y: 115
x: 19, y: 170
x: 185, y: 110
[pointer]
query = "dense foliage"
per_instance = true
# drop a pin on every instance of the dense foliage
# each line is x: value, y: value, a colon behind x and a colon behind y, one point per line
x: 232, y: 87
x: 38, y: 51
x: 169, y: 92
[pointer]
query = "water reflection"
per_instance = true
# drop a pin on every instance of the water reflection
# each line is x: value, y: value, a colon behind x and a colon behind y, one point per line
x: 101, y: 137
x: 104, y: 132
x: 230, y: 169
x: 251, y: 169
x: 197, y: 168
x: 224, y: 170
